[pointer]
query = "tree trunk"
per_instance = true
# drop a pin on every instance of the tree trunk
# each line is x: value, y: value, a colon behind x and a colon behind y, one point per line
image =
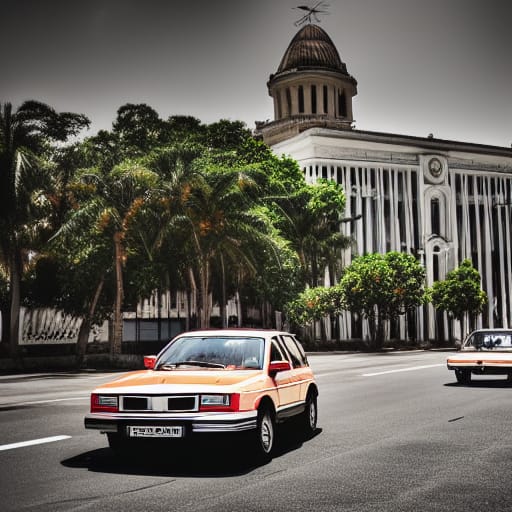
x: 117, y: 335
x: 204, y: 306
x: 5, y: 311
x: 372, y: 325
x: 379, y: 340
x: 15, y: 289
x: 223, y: 298
x: 85, y: 327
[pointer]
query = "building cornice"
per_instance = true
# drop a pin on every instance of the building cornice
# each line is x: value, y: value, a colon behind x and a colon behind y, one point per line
x: 428, y: 143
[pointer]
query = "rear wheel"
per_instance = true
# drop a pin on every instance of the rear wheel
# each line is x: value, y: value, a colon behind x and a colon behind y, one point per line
x: 463, y: 376
x: 309, y: 418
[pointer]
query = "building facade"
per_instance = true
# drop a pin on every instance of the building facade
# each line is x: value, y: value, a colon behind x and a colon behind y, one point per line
x: 441, y: 200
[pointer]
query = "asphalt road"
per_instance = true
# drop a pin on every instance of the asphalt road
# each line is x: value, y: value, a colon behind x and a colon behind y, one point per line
x: 396, y: 434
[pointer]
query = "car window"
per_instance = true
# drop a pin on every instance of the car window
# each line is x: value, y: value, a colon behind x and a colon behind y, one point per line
x: 220, y: 351
x: 490, y: 341
x: 275, y: 352
x: 297, y: 354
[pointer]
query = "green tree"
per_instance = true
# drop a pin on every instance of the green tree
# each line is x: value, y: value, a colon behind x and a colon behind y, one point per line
x: 160, y: 254
x: 183, y: 129
x: 381, y: 287
x: 223, y: 229
x: 25, y: 136
x: 139, y: 129
x: 310, y: 219
x: 277, y: 279
x: 460, y: 294
x: 110, y: 203
x: 313, y: 304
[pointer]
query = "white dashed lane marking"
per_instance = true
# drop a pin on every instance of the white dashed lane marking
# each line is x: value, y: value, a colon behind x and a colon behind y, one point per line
x: 33, y: 442
x: 410, y: 369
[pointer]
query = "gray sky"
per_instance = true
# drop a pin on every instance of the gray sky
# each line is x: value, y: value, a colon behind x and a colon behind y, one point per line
x: 422, y: 66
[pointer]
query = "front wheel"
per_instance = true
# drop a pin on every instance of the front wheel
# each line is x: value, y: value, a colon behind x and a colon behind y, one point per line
x: 463, y: 376
x: 265, y: 434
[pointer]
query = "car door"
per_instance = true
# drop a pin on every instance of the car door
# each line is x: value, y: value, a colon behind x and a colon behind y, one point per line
x: 284, y: 381
x: 301, y: 372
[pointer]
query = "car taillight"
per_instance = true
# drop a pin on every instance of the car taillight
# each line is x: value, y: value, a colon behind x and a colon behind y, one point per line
x: 104, y: 403
x: 219, y: 403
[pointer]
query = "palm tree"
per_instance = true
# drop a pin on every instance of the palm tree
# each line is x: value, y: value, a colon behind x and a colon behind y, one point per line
x: 310, y: 219
x: 160, y: 247
x: 313, y: 229
x: 223, y: 230
x: 25, y: 136
x: 115, y: 200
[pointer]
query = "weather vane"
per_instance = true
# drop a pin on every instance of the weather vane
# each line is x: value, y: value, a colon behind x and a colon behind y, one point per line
x: 311, y: 13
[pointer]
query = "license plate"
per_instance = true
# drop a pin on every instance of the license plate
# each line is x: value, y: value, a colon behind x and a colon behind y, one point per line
x: 155, y: 431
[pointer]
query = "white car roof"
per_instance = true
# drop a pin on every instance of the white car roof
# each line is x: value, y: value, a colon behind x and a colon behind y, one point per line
x: 496, y: 329
x: 263, y: 333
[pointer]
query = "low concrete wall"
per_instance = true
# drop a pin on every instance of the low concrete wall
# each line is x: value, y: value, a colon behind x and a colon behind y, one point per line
x: 93, y: 361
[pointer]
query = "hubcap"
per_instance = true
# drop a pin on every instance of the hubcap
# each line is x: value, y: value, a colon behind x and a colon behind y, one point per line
x: 267, y: 433
x: 312, y: 415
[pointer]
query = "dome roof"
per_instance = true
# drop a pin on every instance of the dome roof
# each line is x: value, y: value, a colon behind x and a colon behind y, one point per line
x: 311, y: 48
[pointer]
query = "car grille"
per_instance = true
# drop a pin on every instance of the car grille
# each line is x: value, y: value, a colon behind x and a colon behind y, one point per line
x: 177, y: 403
x: 181, y: 403
x: 135, y: 403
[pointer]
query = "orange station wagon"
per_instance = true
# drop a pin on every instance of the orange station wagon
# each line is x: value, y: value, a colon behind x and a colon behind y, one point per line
x: 212, y: 381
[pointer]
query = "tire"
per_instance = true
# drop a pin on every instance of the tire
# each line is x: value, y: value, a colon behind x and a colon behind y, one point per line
x: 308, y: 419
x: 463, y: 376
x: 265, y: 435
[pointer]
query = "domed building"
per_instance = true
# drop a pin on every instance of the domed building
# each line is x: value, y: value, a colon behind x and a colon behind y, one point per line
x: 310, y: 88
x: 441, y: 200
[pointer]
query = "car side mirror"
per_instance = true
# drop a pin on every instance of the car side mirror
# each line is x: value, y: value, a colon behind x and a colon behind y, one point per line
x: 278, y: 366
x: 149, y: 362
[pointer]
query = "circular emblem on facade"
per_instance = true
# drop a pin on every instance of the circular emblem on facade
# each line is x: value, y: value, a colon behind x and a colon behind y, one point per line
x: 435, y: 167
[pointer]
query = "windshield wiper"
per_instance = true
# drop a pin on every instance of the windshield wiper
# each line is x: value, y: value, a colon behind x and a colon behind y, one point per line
x: 202, y: 364
x: 166, y: 367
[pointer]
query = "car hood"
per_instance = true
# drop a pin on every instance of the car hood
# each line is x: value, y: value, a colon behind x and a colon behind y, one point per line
x: 185, y: 381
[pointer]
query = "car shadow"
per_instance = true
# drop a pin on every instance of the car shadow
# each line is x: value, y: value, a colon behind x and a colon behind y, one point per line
x: 204, y: 459
x: 483, y: 383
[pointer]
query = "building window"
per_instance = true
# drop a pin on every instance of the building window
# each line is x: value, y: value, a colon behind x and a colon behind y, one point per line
x: 313, y: 99
x: 435, y: 218
x: 301, y: 99
x: 288, y: 101
x: 435, y: 262
x: 326, y: 97
x: 342, y: 104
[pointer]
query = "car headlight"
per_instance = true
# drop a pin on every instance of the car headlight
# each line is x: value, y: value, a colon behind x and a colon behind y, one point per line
x: 215, y: 400
x: 219, y: 402
x: 104, y: 403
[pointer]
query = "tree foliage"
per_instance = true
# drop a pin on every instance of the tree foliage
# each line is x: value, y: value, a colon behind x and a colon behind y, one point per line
x: 157, y: 205
x: 309, y: 217
x: 26, y: 138
x: 460, y: 293
x: 314, y: 304
x: 381, y: 287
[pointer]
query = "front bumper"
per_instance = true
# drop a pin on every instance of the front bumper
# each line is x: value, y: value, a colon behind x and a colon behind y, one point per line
x: 483, y: 367
x: 193, y: 422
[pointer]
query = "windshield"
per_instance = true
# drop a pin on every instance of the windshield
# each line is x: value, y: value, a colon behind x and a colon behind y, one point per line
x: 490, y: 341
x: 213, y: 352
